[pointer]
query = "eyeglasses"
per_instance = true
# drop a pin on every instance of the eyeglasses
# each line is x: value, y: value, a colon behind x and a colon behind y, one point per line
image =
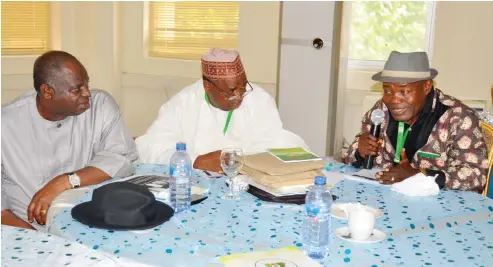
x: 232, y: 97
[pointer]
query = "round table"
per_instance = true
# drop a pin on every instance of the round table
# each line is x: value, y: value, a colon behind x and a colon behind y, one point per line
x: 453, y: 228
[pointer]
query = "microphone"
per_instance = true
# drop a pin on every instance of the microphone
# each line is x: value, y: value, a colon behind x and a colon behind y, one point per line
x: 377, y: 117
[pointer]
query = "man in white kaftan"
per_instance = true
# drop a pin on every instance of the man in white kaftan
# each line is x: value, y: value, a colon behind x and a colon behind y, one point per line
x: 60, y: 130
x: 198, y: 115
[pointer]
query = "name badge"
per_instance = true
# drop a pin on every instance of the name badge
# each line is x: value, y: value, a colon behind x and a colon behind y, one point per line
x: 428, y: 155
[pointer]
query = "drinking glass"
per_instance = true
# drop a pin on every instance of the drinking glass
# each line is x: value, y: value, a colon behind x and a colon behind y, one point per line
x: 231, y: 163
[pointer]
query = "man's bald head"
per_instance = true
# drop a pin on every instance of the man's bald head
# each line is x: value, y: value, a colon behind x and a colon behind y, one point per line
x: 49, y: 68
x: 62, y: 84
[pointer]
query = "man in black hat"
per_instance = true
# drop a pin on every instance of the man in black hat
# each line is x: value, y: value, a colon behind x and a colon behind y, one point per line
x: 424, y: 130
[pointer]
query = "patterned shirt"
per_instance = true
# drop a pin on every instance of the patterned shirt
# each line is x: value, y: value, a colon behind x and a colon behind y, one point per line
x: 456, y: 137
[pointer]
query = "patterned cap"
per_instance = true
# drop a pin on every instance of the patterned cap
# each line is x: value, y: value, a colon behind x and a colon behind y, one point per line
x: 220, y: 63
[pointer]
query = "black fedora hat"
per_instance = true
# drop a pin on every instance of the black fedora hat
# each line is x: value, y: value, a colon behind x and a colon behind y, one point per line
x: 122, y: 206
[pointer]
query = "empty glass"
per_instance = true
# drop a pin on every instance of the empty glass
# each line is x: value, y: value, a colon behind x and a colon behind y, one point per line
x: 231, y: 163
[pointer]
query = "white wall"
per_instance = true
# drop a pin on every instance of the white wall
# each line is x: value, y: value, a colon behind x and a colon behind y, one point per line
x: 463, y: 52
x: 463, y: 55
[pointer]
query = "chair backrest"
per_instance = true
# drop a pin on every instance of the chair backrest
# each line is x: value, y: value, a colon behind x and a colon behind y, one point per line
x: 488, y: 139
x: 492, y: 94
x: 488, y: 135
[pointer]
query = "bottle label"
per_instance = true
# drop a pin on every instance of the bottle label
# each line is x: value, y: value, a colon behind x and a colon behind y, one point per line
x: 187, y: 168
x: 312, y: 210
x: 172, y: 170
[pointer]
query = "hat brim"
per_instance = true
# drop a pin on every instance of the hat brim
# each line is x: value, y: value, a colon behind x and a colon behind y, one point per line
x: 386, y: 79
x: 87, y: 214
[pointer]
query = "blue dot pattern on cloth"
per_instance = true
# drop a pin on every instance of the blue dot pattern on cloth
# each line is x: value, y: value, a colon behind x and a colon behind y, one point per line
x: 21, y: 247
x: 453, y: 228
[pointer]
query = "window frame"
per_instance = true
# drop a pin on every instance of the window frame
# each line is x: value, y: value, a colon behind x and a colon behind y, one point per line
x: 148, y: 36
x: 54, y: 18
x: 259, y: 58
x: 358, y: 64
x: 23, y: 64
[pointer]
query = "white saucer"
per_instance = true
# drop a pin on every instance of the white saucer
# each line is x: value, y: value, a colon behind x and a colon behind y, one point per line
x: 338, y: 210
x: 376, y: 237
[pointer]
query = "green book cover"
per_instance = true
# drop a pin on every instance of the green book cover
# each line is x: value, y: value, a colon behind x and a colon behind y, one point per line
x: 295, y: 154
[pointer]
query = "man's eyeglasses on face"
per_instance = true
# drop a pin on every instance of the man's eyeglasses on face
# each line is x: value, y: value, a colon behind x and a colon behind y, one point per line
x: 231, y: 97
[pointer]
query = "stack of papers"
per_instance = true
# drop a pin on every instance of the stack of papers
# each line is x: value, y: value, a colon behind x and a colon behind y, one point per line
x: 286, y: 172
x: 269, y: 171
x: 332, y: 180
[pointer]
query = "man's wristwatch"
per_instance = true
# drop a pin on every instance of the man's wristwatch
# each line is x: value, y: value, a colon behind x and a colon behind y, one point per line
x: 73, y: 179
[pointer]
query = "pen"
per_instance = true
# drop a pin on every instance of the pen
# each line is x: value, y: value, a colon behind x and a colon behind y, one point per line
x: 365, y: 177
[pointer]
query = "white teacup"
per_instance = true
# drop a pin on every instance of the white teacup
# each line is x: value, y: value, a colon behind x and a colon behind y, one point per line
x: 360, y: 223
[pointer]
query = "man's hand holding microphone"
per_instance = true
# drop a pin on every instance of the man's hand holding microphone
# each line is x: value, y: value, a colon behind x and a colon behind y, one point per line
x: 368, y: 145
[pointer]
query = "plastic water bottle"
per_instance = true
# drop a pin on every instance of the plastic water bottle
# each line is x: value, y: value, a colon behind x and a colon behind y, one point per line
x: 180, y: 170
x: 316, y: 226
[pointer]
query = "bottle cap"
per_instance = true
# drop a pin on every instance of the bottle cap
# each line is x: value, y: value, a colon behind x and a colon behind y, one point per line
x: 181, y: 146
x: 320, y: 180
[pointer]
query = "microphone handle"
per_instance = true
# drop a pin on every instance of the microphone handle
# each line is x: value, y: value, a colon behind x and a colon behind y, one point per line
x: 375, y: 131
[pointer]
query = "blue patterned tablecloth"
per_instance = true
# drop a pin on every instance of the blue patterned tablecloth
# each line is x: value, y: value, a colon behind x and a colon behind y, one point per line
x: 22, y: 247
x: 451, y: 229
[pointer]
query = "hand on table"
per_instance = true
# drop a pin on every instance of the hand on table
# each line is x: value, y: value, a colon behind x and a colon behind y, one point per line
x: 38, y: 208
x: 368, y: 145
x: 397, y: 173
x: 209, y: 162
